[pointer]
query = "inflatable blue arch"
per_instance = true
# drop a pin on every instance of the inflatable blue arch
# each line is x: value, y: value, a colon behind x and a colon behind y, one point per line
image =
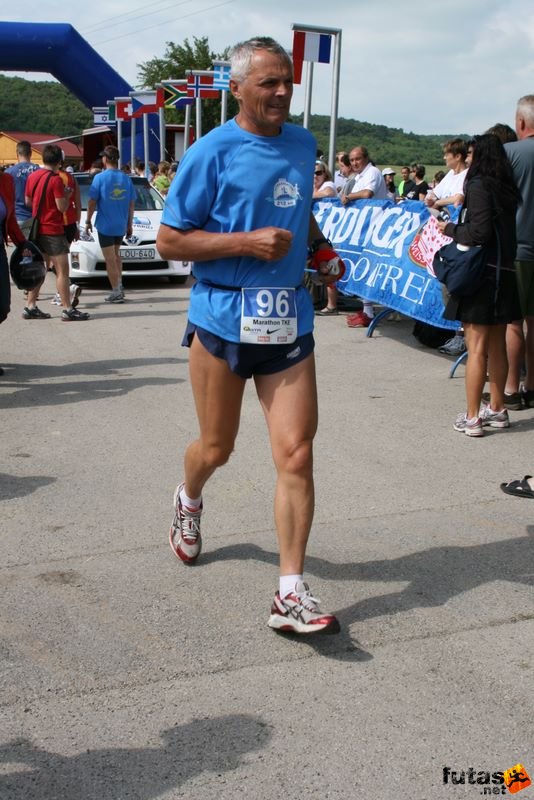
x: 59, y: 49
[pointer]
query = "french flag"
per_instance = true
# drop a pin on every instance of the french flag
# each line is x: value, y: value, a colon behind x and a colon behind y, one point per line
x: 309, y: 46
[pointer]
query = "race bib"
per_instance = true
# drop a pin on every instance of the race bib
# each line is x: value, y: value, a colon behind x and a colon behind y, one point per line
x: 268, y: 316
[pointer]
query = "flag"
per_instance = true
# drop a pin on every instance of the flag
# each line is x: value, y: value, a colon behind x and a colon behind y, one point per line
x: 112, y: 117
x: 123, y: 108
x: 200, y: 84
x: 176, y: 94
x: 309, y: 46
x: 146, y: 102
x: 100, y: 115
x: 221, y: 74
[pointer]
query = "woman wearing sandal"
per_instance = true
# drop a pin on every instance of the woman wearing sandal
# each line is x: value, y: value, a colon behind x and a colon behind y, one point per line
x: 522, y: 488
x: 487, y: 218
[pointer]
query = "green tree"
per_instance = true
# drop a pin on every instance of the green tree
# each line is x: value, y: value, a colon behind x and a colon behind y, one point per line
x: 177, y: 59
x: 41, y: 107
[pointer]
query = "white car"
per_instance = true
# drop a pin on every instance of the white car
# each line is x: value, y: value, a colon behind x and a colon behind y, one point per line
x: 139, y: 254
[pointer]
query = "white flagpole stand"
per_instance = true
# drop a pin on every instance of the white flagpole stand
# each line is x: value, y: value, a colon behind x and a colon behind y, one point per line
x: 187, y: 126
x: 308, y: 94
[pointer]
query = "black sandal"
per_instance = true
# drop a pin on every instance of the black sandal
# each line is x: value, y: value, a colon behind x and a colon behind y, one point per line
x: 518, y: 488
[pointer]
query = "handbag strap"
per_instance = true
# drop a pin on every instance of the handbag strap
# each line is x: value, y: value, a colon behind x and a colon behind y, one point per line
x: 41, y: 199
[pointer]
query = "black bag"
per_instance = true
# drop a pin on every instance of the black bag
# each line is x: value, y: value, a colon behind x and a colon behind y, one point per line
x: 430, y: 335
x: 462, y: 271
x: 34, y: 230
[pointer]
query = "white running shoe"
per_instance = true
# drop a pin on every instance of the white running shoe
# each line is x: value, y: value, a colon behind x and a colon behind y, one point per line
x: 184, y: 536
x: 299, y: 612
x: 494, y: 419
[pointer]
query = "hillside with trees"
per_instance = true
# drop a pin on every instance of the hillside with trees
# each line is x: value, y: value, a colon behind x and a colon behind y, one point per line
x: 48, y: 107
x: 41, y: 107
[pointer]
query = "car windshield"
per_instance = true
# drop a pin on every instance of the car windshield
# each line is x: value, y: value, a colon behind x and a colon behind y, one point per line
x: 146, y: 197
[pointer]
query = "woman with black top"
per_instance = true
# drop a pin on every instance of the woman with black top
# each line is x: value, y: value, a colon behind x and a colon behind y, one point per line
x: 487, y: 218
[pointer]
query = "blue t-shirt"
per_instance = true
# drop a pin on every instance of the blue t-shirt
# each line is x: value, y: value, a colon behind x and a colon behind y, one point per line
x: 113, y: 191
x: 19, y: 173
x: 233, y: 181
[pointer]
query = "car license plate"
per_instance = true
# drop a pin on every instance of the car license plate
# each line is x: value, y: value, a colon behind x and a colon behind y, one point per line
x: 137, y: 253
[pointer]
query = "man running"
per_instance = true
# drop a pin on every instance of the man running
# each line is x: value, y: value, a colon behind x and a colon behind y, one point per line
x: 239, y: 208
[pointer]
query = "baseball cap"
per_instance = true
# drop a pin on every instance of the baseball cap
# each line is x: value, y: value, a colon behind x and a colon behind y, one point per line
x: 388, y: 171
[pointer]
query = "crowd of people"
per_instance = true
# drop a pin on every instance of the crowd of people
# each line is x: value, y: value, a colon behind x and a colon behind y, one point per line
x: 491, y: 179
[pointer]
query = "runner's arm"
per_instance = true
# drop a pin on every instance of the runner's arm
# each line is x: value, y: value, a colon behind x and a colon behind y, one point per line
x: 265, y: 244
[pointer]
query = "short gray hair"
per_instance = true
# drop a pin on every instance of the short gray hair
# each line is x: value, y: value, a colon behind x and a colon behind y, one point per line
x: 241, y: 55
x: 525, y: 107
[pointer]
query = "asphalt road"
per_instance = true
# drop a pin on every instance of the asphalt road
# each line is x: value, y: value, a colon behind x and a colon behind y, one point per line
x: 128, y: 676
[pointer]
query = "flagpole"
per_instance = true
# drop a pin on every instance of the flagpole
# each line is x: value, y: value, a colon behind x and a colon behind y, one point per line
x: 335, y: 101
x: 162, y: 152
x: 308, y: 94
x: 187, y: 126
x: 198, y: 116
x: 145, y: 145
x: 132, y: 144
x: 224, y: 105
x: 119, y: 138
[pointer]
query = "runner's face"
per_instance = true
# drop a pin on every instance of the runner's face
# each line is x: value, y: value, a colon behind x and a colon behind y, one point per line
x: 265, y: 94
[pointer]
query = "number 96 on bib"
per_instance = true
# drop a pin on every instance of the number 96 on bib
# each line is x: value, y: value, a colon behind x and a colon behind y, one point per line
x: 268, y: 316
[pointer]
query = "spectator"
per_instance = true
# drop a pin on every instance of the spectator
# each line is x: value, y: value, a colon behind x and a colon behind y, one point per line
x: 96, y: 167
x: 420, y: 186
x: 405, y: 177
x: 389, y: 179
x: 71, y: 222
x: 20, y: 172
x: 162, y: 180
x: 56, y: 196
x: 323, y: 185
x: 112, y: 196
x: 449, y: 191
x: 487, y: 218
x: 368, y: 183
x: 438, y: 177
x: 520, y: 344
x: 343, y: 175
x: 504, y: 132
x: 339, y: 176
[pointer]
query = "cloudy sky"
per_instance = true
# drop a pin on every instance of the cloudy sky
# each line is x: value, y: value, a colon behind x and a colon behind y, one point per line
x: 419, y: 65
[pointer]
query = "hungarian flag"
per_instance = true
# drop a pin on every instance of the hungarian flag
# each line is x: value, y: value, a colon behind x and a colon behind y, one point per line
x: 176, y: 94
x: 147, y: 102
x: 309, y: 46
x: 200, y: 84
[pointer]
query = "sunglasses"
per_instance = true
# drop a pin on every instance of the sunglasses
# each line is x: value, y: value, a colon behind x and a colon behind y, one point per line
x: 320, y: 172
